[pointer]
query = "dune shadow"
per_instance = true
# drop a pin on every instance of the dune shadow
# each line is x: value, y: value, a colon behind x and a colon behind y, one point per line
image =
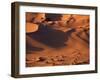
x: 51, y: 37
x: 82, y: 38
x: 33, y: 48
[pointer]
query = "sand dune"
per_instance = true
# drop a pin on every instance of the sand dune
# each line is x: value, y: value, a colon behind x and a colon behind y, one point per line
x: 51, y: 45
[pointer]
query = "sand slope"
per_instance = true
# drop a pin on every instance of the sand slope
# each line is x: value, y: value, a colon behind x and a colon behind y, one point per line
x: 73, y: 46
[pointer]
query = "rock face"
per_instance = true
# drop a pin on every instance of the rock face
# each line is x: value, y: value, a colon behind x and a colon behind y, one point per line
x: 58, y: 40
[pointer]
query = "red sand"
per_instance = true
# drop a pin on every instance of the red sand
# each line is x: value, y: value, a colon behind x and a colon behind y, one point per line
x: 77, y: 49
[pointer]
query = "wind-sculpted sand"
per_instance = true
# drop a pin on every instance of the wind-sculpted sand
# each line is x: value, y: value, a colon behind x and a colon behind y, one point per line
x: 62, y: 41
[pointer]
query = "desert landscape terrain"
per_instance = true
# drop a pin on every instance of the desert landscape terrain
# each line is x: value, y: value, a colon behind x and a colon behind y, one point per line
x: 57, y: 39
